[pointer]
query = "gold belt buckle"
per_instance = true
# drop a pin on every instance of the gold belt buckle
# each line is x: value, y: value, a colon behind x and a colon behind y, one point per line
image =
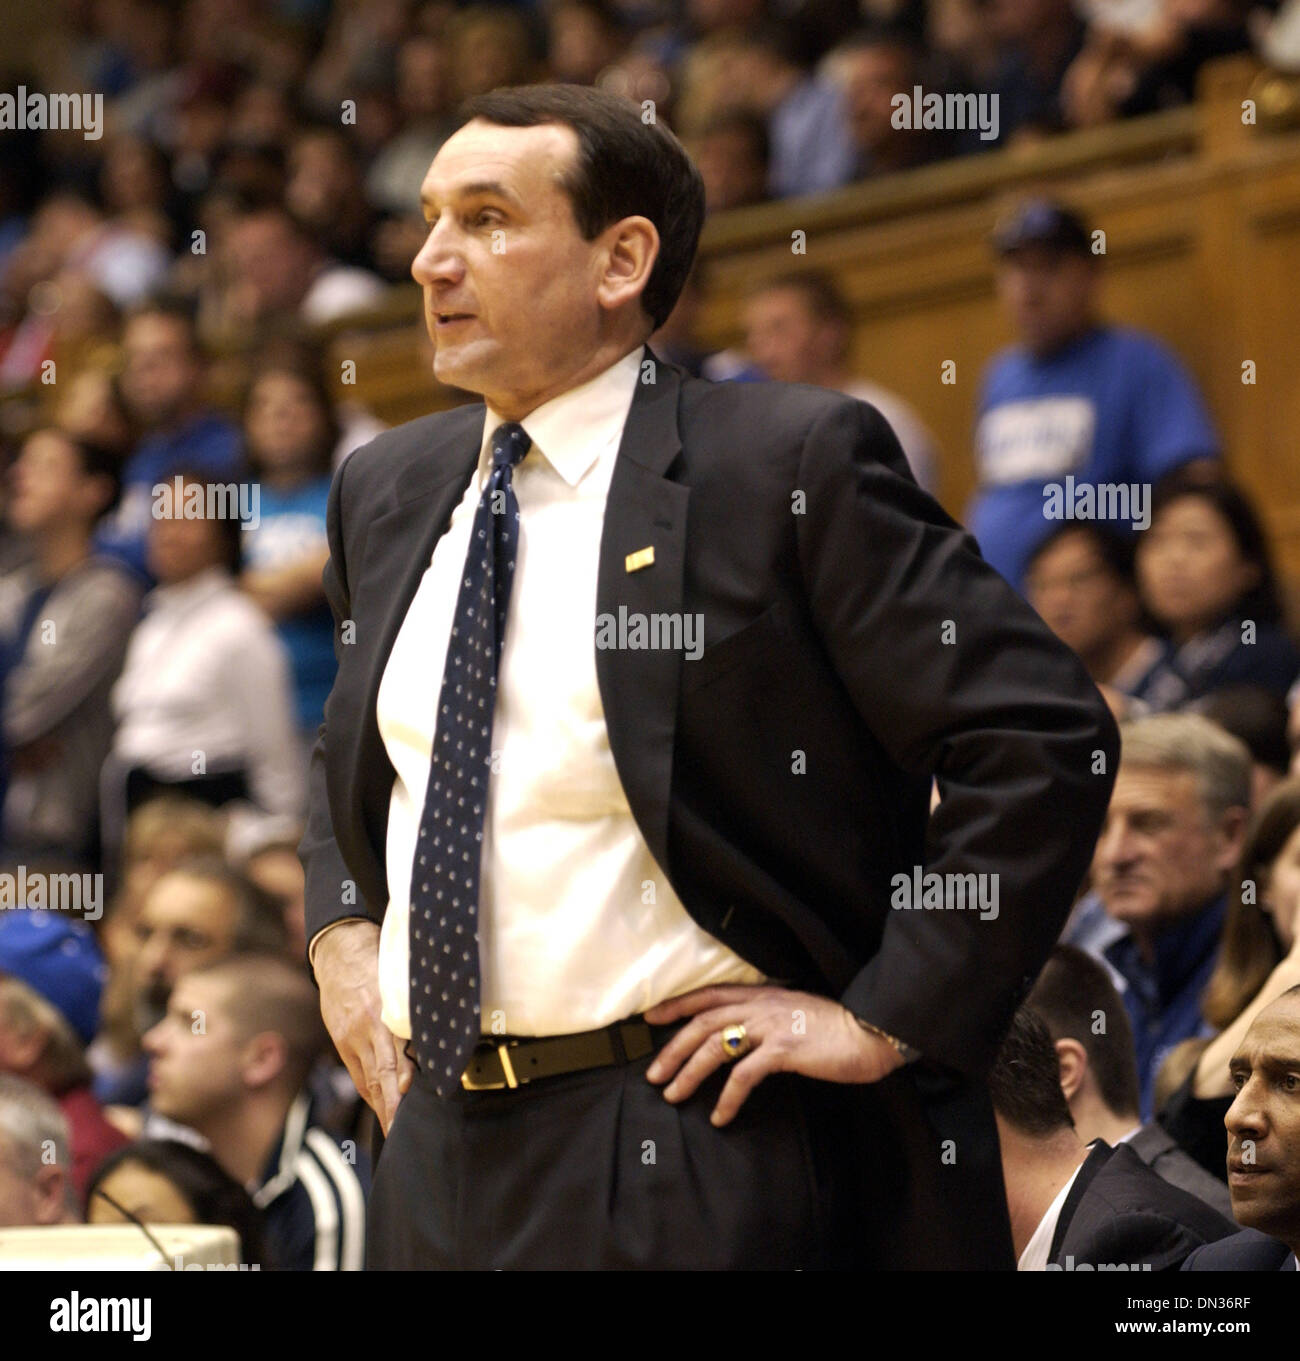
x: 506, y: 1067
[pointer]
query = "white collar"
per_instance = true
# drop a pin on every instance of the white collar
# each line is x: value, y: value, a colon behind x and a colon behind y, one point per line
x: 575, y: 428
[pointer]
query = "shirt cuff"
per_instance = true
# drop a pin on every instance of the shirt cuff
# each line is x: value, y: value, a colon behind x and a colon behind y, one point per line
x: 908, y: 1054
x: 323, y: 932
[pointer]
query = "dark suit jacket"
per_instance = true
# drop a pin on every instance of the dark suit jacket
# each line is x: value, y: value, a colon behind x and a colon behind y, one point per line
x: 1156, y: 1147
x: 854, y: 635
x: 1248, y: 1250
x: 1119, y: 1211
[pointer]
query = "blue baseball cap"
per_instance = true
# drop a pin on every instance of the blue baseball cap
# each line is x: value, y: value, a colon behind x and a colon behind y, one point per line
x: 1045, y: 223
x: 57, y: 958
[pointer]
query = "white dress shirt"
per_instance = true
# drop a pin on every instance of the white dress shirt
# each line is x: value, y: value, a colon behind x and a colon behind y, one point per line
x: 1037, y: 1253
x: 578, y: 926
x: 205, y: 672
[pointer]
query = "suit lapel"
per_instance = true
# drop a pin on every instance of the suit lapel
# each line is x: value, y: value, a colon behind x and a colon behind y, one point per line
x: 1092, y: 1164
x: 639, y: 688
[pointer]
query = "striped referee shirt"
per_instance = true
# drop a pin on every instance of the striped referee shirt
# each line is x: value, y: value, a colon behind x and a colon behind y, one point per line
x: 313, y: 1197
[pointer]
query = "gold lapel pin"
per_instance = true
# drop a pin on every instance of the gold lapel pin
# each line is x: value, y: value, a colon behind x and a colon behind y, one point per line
x: 643, y: 557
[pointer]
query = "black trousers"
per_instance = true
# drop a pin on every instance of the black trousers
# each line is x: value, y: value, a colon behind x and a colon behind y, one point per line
x: 596, y: 1170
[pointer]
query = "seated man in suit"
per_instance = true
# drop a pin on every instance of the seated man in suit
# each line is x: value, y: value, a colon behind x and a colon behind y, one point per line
x: 1089, y: 1026
x: 1077, y: 1206
x: 1263, y: 1147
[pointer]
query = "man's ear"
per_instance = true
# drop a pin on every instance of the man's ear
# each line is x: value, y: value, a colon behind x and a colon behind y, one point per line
x: 1233, y: 825
x: 630, y: 255
x: 1073, y: 1060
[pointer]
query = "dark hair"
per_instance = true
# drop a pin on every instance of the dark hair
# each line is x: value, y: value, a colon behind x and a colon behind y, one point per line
x: 1116, y: 550
x: 1255, y: 716
x: 175, y: 309
x: 1025, y: 1081
x: 301, y: 359
x: 95, y: 459
x: 1071, y: 992
x: 624, y: 167
x: 227, y: 526
x: 213, y: 1194
x: 745, y: 122
x: 821, y: 294
x: 1262, y: 603
x: 1251, y: 949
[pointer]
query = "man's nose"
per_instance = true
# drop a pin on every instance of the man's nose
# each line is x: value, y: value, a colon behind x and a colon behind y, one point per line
x: 1115, y: 846
x: 437, y: 259
x: 151, y: 1040
x: 1245, y: 1118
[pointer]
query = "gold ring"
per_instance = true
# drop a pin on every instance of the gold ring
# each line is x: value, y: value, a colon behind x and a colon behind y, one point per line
x: 735, y: 1042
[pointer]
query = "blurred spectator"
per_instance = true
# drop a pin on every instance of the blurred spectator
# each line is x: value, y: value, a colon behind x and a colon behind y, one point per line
x: 1258, y: 718
x: 274, y: 866
x: 197, y: 914
x: 325, y: 192
x: 798, y: 329
x: 491, y: 45
x: 162, y: 382
x: 1258, y: 961
x: 64, y: 620
x: 1074, y: 1204
x: 1263, y: 1148
x: 162, y: 1181
x: 91, y: 407
x: 677, y: 342
x: 1081, y: 580
x: 1078, y: 397
x: 584, y: 37
x: 239, y: 1081
x: 69, y: 233
x: 51, y: 974
x: 1206, y: 577
x: 424, y: 95
x: 1128, y: 68
x: 136, y: 188
x: 1094, y: 1048
x: 1036, y: 41
x: 160, y: 834
x: 1171, y: 840
x: 290, y: 434
x: 733, y: 153
x: 205, y: 700
x: 35, y: 1188
x: 274, y: 266
x: 870, y: 68
x: 810, y: 151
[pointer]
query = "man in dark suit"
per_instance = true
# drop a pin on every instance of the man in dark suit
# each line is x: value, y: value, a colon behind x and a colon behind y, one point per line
x: 735, y: 989
x: 1263, y: 1146
x: 1090, y: 1029
x: 1077, y: 1206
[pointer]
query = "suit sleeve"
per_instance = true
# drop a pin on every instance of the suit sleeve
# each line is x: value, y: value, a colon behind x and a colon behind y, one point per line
x: 959, y: 678
x: 331, y: 895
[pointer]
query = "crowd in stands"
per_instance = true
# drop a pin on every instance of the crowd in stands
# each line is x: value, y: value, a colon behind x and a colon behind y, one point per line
x: 163, y: 675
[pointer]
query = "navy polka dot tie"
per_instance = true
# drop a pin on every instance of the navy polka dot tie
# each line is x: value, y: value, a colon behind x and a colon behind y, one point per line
x: 444, y: 968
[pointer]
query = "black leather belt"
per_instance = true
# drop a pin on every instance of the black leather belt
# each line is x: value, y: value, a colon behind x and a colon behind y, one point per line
x: 513, y: 1061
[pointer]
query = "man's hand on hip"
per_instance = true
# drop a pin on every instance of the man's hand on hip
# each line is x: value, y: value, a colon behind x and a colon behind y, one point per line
x: 790, y: 1032
x: 347, y: 970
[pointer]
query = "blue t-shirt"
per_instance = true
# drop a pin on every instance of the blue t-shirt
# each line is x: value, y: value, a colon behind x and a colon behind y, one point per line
x: 292, y: 525
x: 1114, y: 406
x: 209, y: 443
